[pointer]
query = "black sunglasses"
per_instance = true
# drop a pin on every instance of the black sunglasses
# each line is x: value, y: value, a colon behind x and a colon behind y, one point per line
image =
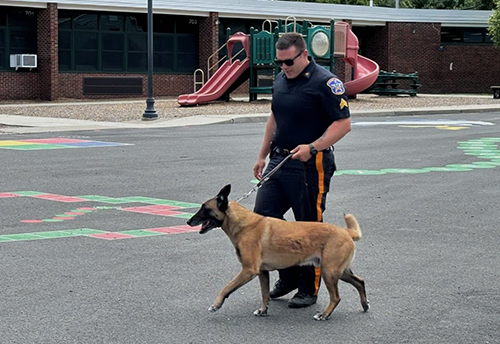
x: 288, y: 62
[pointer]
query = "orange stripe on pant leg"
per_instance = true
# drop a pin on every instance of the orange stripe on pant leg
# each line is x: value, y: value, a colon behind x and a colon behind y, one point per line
x: 321, y: 185
x: 319, y: 200
x: 317, y: 279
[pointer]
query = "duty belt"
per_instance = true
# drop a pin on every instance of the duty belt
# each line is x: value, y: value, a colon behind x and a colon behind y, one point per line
x: 281, y: 151
x: 284, y: 151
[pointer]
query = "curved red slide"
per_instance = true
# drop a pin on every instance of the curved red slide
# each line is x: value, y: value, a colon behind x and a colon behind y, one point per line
x: 365, y: 70
x: 219, y: 83
x: 223, y: 78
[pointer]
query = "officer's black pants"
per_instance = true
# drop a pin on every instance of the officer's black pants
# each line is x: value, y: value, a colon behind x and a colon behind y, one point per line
x: 303, y: 188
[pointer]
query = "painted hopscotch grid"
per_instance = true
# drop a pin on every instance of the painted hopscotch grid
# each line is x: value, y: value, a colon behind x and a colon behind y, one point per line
x: 98, y: 234
x: 155, y: 206
x: 55, y: 143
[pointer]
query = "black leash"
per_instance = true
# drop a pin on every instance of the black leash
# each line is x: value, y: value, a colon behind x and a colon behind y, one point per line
x: 265, y: 178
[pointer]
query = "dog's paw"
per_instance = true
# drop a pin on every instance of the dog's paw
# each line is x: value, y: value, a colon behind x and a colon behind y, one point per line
x: 320, y: 317
x: 260, y: 313
x: 213, y: 309
x: 366, y: 306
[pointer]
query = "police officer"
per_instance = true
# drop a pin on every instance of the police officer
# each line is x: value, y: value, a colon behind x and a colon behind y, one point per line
x: 309, y: 113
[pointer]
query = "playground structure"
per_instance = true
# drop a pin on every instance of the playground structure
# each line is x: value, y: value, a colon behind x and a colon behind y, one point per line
x: 255, y: 61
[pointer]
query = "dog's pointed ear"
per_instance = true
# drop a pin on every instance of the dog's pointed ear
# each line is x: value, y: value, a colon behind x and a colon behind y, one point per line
x: 222, y: 197
x: 225, y: 191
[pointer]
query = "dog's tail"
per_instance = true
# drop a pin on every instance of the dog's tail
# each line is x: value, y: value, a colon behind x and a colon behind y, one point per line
x: 352, y: 227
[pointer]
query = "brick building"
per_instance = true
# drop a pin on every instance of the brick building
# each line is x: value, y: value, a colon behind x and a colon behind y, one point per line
x: 75, y: 40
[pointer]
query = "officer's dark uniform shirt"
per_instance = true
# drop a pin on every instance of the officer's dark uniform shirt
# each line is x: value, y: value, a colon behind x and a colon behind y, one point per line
x: 304, y: 107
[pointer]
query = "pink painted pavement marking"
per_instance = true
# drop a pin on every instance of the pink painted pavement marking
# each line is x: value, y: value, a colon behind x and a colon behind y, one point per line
x: 166, y: 212
x: 163, y: 210
x: 149, y: 208
x: 54, y: 140
x: 31, y: 221
x: 174, y: 229
x: 7, y: 195
x: 60, y: 198
x: 111, y: 236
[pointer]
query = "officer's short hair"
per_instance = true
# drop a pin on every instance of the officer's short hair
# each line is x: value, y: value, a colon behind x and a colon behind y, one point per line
x: 291, y: 39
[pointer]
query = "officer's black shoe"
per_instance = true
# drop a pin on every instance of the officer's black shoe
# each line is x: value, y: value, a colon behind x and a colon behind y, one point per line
x: 301, y: 299
x: 281, y: 289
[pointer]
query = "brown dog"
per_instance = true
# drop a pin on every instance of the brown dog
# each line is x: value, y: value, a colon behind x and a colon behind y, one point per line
x: 264, y: 244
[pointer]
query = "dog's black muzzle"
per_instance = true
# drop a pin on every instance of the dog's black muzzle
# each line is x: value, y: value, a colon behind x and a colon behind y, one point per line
x: 206, y: 224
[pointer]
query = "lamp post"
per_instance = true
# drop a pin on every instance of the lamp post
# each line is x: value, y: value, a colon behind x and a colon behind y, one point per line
x: 150, y: 112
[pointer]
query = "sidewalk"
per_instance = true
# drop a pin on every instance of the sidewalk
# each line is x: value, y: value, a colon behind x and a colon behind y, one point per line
x: 33, y: 124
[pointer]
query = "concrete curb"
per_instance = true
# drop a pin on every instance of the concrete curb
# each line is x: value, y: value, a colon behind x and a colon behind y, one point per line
x: 26, y: 124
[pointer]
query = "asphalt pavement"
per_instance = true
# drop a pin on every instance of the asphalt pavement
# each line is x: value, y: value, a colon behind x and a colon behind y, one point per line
x: 93, y: 246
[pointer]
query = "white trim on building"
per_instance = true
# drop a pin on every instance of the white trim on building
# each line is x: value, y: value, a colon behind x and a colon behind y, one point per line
x: 269, y: 9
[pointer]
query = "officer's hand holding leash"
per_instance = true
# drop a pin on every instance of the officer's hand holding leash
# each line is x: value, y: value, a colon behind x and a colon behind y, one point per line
x: 303, y: 152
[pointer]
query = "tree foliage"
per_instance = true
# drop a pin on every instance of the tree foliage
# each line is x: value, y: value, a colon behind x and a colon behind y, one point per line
x: 449, y: 4
x: 494, y: 29
x: 434, y: 4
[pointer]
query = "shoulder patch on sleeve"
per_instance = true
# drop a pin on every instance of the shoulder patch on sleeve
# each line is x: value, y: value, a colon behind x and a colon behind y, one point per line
x: 336, y: 86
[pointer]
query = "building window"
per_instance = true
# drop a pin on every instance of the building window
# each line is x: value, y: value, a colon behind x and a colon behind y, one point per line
x: 112, y: 42
x: 17, y: 34
x: 471, y: 36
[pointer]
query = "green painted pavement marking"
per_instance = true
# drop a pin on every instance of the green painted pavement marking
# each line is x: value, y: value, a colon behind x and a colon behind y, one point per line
x: 142, y: 199
x: 472, y: 166
x: 484, y: 148
x: 84, y: 231
x: 462, y: 167
x: 28, y: 193
x: 104, y: 199
x: 446, y: 169
x: 56, y: 234
x: 35, y: 146
x: 114, y: 200
x: 22, y: 236
x: 356, y: 172
x: 405, y: 170
x: 49, y: 235
x: 179, y: 204
x: 159, y: 201
x: 486, y: 163
x: 52, y: 220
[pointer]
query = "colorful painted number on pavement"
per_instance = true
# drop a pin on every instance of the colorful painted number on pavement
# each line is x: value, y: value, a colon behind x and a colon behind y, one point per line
x: 147, y: 205
x: 485, y: 149
x: 54, y: 143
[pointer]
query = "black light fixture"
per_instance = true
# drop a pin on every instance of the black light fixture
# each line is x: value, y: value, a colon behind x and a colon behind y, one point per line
x: 150, y: 113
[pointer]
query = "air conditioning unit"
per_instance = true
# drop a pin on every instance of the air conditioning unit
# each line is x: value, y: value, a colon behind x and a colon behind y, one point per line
x: 23, y: 61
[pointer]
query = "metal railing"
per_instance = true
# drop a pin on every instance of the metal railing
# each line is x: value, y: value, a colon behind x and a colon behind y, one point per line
x: 222, y: 59
x: 202, y: 82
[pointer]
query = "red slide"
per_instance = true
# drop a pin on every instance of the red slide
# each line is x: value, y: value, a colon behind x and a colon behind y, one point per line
x: 365, y: 70
x: 219, y: 83
x: 224, y: 77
